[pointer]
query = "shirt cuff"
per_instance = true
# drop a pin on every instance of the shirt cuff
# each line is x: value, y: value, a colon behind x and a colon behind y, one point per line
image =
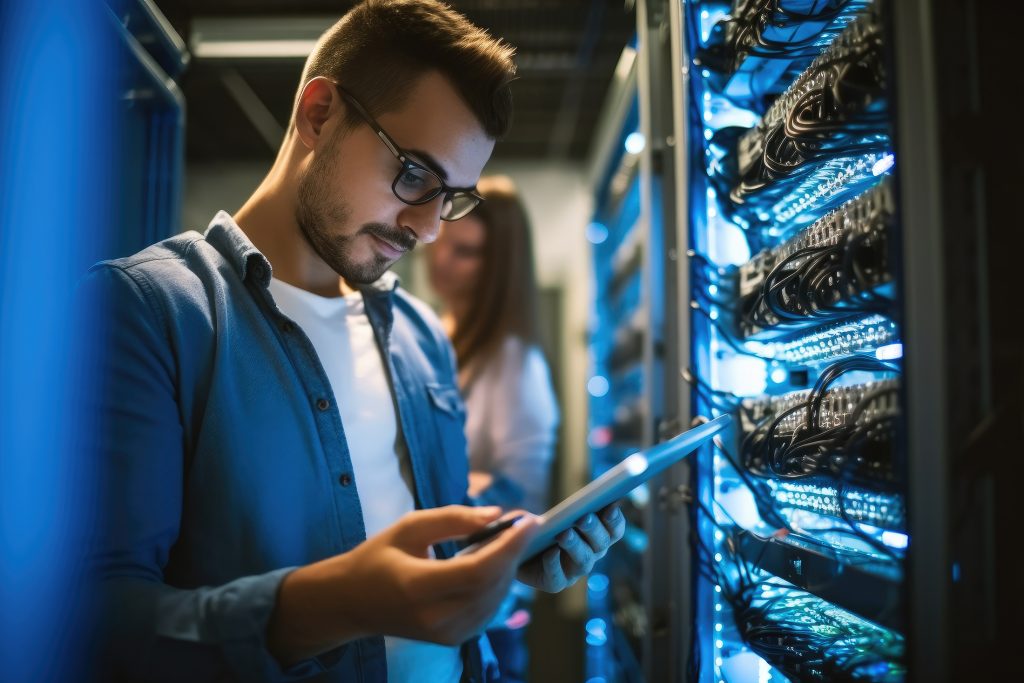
x: 244, y: 633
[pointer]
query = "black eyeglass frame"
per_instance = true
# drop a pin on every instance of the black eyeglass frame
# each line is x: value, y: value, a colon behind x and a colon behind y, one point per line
x: 407, y: 163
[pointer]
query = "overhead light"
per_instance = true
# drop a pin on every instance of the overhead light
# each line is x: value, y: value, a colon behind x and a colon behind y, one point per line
x: 254, y: 49
x: 266, y: 37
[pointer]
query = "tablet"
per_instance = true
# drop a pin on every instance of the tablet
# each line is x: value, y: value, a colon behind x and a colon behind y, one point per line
x: 620, y: 480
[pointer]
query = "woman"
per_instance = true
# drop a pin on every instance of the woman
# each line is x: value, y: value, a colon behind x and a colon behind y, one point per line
x: 481, y: 268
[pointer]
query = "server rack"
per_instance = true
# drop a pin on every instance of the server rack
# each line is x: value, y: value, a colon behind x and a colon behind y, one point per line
x: 149, y: 159
x: 797, y: 156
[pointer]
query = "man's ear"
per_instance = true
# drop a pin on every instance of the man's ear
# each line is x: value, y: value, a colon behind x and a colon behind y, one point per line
x: 318, y: 101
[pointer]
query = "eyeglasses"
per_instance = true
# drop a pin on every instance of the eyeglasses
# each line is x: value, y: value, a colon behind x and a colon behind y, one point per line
x: 416, y: 184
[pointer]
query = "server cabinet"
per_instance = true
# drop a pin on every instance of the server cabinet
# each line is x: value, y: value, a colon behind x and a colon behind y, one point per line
x: 819, y: 219
x: 149, y: 158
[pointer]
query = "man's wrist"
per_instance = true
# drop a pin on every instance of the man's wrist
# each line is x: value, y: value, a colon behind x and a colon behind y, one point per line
x: 312, y: 614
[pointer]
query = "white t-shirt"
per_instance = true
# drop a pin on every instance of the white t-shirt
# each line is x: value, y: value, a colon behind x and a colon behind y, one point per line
x: 344, y: 341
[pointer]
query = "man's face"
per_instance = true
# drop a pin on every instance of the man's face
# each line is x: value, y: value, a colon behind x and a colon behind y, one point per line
x: 346, y: 208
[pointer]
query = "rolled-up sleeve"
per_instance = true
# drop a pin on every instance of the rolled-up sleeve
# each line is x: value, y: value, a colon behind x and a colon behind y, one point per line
x: 155, y: 631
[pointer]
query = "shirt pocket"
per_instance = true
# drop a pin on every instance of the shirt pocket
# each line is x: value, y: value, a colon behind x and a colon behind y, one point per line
x: 449, y: 449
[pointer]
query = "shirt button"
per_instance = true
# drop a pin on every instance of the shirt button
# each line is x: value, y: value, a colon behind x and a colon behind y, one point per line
x: 322, y: 404
x: 345, y: 479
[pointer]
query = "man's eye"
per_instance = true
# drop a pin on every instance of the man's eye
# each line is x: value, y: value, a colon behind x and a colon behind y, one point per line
x: 412, y: 178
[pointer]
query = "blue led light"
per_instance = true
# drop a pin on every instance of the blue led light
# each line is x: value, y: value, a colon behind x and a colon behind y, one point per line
x: 889, y: 352
x: 596, y: 641
x: 708, y: 134
x: 635, y: 142
x: 883, y: 164
x: 779, y: 375
x: 596, y: 626
x: 596, y: 233
x: 597, y: 583
x: 598, y: 386
x: 896, y: 540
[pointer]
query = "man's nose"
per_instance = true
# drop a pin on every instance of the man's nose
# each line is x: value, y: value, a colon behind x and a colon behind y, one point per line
x: 423, y: 219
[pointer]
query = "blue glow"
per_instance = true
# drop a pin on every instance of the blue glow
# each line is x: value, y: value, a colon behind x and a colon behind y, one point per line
x: 597, y: 679
x: 743, y: 376
x: 708, y: 134
x: 896, y: 540
x: 889, y: 352
x: 596, y: 640
x: 727, y: 243
x: 598, y: 386
x: 55, y: 183
x: 598, y: 583
x: 597, y: 626
x: 635, y: 142
x: 596, y: 233
x: 635, y: 539
x: 779, y: 375
x: 712, y: 289
x: 956, y: 571
x: 883, y: 164
x: 740, y: 505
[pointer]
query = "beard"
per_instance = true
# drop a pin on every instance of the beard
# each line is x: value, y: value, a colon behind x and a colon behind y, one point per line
x: 318, y: 208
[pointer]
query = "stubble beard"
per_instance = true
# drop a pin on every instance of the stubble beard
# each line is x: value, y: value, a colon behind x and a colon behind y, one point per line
x: 317, y: 209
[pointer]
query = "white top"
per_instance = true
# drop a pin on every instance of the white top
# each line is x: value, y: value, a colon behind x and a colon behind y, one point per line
x: 344, y: 341
x: 511, y: 420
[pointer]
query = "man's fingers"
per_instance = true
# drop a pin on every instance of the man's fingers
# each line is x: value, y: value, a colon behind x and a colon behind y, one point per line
x: 480, y: 570
x: 594, y: 532
x: 423, y: 528
x: 577, y: 556
x: 614, y: 521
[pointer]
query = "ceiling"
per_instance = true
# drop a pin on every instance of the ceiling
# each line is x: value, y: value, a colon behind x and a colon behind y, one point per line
x: 567, y: 51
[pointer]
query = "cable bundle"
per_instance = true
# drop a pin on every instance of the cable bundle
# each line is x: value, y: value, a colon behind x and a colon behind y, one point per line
x: 826, y: 273
x: 827, y: 113
x: 853, y: 445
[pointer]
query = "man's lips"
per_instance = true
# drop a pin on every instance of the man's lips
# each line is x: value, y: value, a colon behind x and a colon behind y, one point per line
x: 392, y: 250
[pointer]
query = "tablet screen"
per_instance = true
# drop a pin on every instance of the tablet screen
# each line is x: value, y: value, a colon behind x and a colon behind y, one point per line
x: 615, y: 483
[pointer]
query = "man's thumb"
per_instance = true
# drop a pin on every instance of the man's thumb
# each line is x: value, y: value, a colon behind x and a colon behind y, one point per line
x: 423, y: 528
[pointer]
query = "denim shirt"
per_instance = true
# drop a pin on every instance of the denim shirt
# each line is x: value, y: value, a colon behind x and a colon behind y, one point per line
x: 226, y: 462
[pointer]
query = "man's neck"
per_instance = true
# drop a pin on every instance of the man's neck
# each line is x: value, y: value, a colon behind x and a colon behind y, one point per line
x: 268, y: 219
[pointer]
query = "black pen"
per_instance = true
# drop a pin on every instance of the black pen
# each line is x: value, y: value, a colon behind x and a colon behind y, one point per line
x: 489, y: 531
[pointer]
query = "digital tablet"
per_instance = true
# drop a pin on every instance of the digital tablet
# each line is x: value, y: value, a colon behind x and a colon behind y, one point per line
x: 620, y: 480
x: 608, y: 488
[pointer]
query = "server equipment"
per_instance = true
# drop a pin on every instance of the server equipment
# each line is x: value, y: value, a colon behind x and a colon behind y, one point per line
x: 783, y: 259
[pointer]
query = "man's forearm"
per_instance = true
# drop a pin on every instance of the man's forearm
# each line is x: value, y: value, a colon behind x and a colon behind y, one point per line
x: 310, y: 617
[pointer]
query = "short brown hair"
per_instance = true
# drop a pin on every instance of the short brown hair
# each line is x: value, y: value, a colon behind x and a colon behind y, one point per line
x: 380, y: 47
x: 504, y: 302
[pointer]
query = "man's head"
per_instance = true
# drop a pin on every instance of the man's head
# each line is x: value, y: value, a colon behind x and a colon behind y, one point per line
x: 438, y: 88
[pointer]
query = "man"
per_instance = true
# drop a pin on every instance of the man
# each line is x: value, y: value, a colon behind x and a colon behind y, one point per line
x: 276, y: 409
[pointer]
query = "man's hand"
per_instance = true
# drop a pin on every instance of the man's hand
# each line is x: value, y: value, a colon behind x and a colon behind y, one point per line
x: 577, y: 551
x: 391, y: 585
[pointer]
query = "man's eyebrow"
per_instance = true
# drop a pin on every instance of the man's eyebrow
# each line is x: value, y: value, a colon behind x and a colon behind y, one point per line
x: 437, y: 168
x: 430, y: 161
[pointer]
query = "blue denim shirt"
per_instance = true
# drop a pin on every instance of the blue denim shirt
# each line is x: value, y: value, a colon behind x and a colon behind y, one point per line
x: 226, y: 459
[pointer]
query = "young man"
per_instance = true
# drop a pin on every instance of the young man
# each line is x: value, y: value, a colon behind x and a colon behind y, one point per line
x: 285, y: 445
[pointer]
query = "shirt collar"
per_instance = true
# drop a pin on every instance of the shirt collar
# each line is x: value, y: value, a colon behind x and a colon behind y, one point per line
x: 229, y: 239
